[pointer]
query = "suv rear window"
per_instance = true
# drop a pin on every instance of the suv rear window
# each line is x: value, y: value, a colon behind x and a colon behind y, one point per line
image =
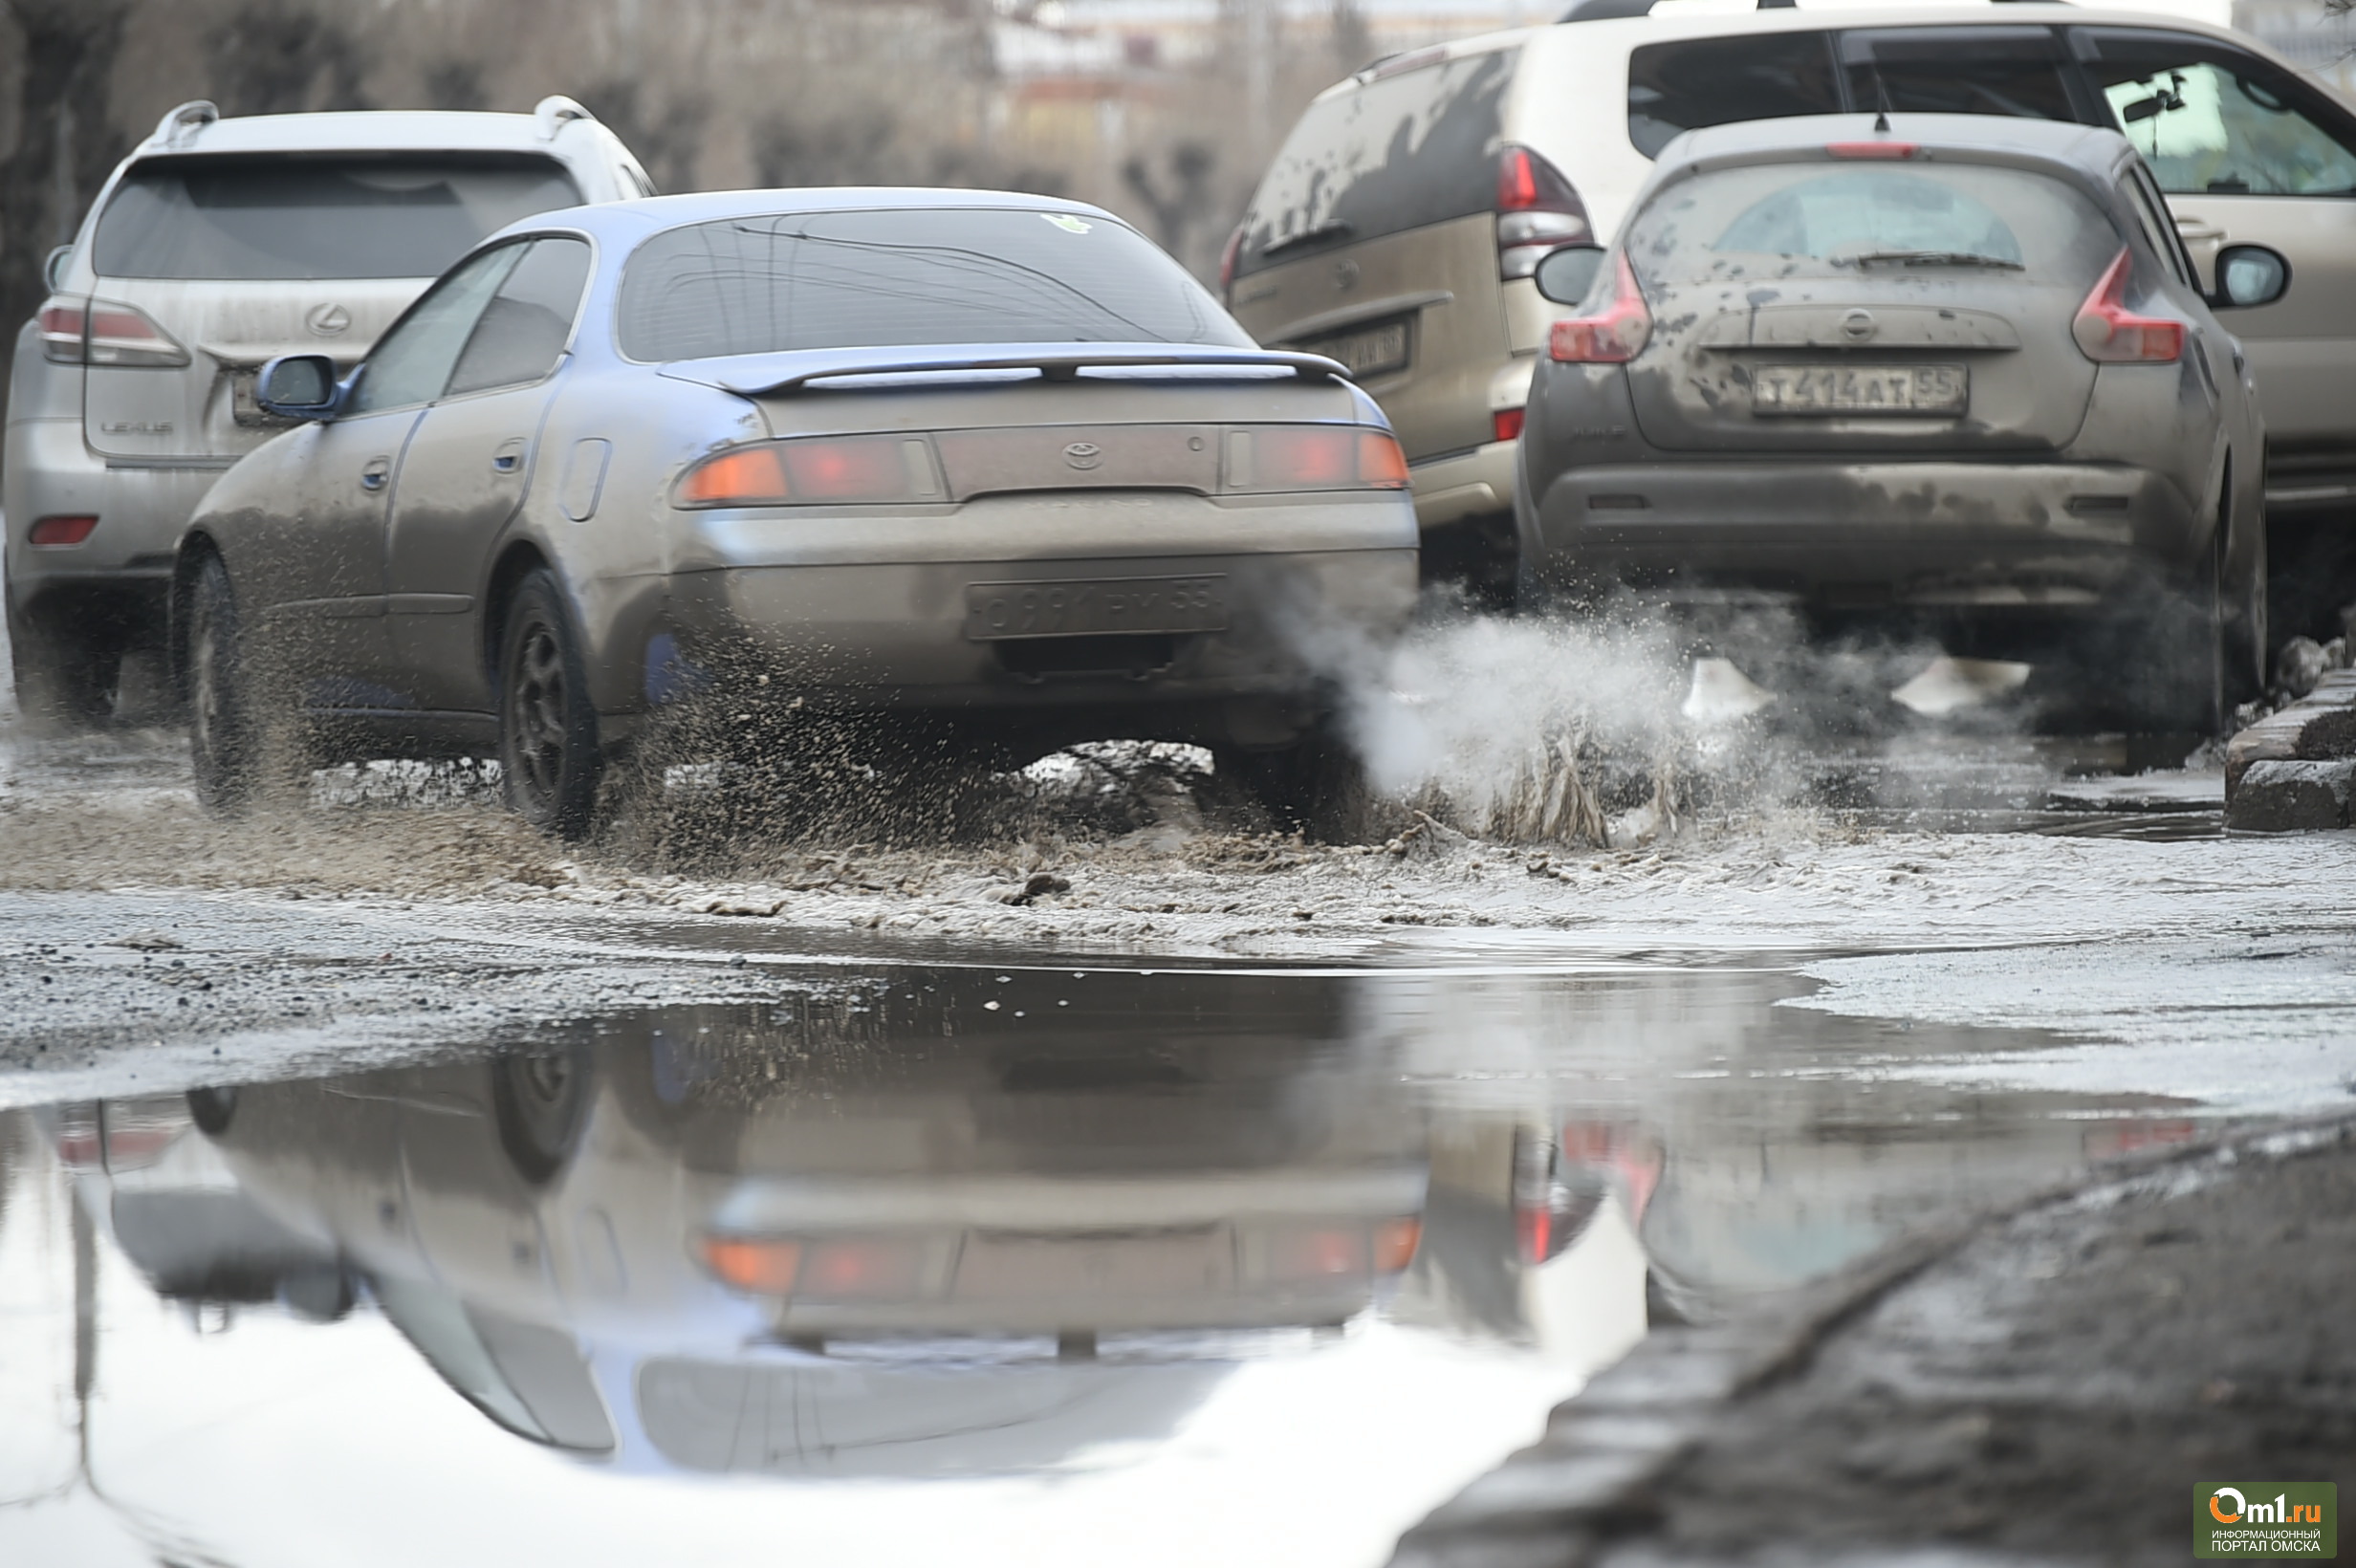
x: 903, y: 277
x: 290, y: 216
x: 1401, y: 152
x: 1717, y: 81
x: 1819, y: 221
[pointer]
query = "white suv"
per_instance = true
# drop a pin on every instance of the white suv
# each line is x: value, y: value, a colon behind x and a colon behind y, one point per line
x: 1397, y: 228
x: 216, y: 244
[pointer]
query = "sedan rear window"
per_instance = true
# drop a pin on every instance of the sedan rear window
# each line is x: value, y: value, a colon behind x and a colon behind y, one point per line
x: 903, y: 278
x: 294, y: 217
x: 1811, y: 220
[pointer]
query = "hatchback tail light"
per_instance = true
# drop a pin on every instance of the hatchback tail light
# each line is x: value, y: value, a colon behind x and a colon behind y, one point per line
x: 1613, y: 336
x: 1313, y: 457
x: 2109, y: 333
x: 93, y: 332
x: 56, y: 533
x: 1538, y: 210
x: 813, y: 472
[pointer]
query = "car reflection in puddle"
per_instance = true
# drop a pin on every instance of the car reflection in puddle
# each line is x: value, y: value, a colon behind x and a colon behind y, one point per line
x: 957, y: 1226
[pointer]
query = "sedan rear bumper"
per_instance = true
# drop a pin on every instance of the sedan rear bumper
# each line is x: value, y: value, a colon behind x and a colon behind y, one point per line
x: 1930, y: 535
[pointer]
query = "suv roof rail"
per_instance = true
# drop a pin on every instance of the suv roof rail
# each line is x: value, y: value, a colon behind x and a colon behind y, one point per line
x: 180, y: 127
x: 554, y: 110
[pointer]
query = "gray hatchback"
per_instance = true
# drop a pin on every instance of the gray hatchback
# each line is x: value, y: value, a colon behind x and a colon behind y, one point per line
x: 1951, y: 368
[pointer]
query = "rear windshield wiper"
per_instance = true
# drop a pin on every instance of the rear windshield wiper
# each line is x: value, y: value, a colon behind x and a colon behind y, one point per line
x: 1931, y: 258
x: 1332, y: 229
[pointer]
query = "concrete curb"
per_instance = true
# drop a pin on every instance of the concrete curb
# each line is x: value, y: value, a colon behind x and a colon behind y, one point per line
x: 2295, y: 770
x: 1560, y: 1502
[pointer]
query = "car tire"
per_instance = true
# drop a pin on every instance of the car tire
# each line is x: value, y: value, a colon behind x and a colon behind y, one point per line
x: 549, y: 762
x: 228, y: 736
x: 539, y: 1101
x: 65, y: 679
x: 1317, y: 788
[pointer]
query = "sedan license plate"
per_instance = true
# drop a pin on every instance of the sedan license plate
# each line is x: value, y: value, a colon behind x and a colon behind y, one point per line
x: 1828, y: 390
x: 996, y: 610
x: 1377, y: 350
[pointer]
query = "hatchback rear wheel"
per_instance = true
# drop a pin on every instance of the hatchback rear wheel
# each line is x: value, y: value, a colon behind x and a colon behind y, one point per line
x: 548, y: 729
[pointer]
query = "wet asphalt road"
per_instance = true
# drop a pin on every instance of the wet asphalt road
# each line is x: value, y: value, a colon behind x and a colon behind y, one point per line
x: 1302, y: 1179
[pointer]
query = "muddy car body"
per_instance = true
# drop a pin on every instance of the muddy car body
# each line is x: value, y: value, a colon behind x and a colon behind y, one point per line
x: 216, y: 244
x: 987, y: 462
x: 1952, y: 368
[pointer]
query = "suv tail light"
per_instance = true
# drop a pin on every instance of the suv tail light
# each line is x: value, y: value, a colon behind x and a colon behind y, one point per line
x: 1613, y: 336
x: 2109, y: 333
x: 92, y: 331
x: 56, y: 533
x: 1537, y: 211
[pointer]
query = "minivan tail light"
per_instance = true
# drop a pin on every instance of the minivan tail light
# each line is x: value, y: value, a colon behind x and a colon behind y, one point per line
x: 1612, y: 336
x: 96, y: 332
x: 813, y: 472
x: 1313, y: 457
x: 1538, y: 209
x: 2109, y: 333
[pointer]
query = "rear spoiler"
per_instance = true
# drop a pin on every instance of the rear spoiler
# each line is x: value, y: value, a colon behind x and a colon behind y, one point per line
x: 763, y: 374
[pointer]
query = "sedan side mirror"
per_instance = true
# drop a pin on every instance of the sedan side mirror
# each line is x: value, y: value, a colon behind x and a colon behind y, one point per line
x: 297, y: 386
x: 2250, y: 274
x: 1564, y: 272
x: 54, y: 270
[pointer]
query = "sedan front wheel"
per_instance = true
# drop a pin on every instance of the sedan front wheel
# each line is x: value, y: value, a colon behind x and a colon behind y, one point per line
x: 548, y: 729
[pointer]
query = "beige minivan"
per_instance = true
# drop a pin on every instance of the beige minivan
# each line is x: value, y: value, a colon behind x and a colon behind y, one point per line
x: 1397, y: 228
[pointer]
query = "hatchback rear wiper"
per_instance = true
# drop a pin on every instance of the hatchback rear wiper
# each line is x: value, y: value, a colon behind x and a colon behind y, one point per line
x: 1931, y: 258
x: 1332, y: 229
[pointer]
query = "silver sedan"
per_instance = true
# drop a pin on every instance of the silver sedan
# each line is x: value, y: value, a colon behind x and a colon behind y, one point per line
x: 992, y: 465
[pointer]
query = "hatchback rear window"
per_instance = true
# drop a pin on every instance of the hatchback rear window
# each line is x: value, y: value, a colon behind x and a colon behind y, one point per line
x: 293, y: 217
x: 1815, y: 220
x: 904, y: 278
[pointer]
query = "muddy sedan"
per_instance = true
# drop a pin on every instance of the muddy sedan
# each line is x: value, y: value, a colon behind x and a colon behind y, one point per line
x: 991, y: 467
x: 1954, y: 369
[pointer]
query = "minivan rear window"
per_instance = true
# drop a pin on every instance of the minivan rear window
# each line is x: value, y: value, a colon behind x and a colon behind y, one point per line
x: 294, y: 216
x: 2013, y: 71
x: 1401, y: 152
x: 1815, y: 220
x: 904, y: 278
x: 1696, y: 82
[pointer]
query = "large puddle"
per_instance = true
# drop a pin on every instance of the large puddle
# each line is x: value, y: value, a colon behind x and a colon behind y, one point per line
x: 944, y: 1264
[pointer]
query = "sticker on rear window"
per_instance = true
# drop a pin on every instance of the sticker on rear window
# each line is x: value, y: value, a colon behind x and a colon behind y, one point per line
x: 1067, y: 221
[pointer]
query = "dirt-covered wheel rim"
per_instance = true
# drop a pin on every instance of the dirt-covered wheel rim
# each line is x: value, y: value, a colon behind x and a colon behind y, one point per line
x: 537, y: 714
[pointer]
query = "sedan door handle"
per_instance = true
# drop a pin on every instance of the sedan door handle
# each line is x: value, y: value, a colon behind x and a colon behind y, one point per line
x: 509, y: 458
x: 378, y: 470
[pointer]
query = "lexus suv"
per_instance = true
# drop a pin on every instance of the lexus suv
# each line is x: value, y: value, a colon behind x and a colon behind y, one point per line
x: 215, y: 246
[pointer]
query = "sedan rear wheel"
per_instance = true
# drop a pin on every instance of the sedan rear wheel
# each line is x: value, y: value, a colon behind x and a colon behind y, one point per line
x: 226, y: 737
x: 548, y: 729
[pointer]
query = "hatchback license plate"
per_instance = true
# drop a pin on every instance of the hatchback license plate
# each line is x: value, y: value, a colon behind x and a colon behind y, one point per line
x: 1824, y: 390
x: 1377, y: 350
x: 996, y: 610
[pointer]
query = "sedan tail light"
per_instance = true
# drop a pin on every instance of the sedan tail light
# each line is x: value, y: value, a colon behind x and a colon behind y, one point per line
x: 1612, y: 336
x: 93, y: 332
x: 2109, y: 333
x: 1538, y: 209
x: 756, y: 1265
x: 1226, y: 261
x: 813, y: 472
x: 1313, y: 457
